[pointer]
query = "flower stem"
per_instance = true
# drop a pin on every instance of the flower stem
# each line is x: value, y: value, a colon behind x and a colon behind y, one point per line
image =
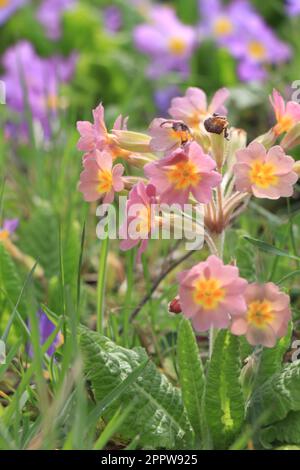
x: 101, y: 284
x: 219, y: 243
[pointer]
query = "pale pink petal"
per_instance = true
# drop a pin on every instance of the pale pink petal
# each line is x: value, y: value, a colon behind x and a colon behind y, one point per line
x: 268, y: 193
x: 254, y: 291
x: 181, y: 108
x: 261, y: 336
x: 255, y: 151
x: 235, y: 304
x: 98, y: 115
x: 172, y: 195
x: 282, y: 331
x: 188, y: 305
x: 109, y: 197
x: 90, y: 192
x: 117, y: 181
x: 239, y: 326
x: 278, y: 104
x: 283, y: 163
x: 197, y: 98
x: 218, y: 100
x: 104, y: 160
x: 187, y: 277
x: 201, y: 321
x: 202, y: 160
x: 127, y: 244
x: 203, y: 191
x: 293, y: 109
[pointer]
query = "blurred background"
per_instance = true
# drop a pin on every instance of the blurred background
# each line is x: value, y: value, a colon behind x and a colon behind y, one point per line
x: 134, y: 56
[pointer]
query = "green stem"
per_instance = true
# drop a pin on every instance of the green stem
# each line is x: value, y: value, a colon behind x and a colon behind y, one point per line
x: 101, y: 284
x: 219, y: 243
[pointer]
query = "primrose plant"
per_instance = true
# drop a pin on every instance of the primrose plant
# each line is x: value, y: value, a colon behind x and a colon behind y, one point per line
x: 196, y: 158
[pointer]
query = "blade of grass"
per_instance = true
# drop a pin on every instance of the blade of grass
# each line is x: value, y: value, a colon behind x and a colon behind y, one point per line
x: 114, y: 394
x: 288, y: 276
x: 113, y: 426
x: 62, y: 276
x: 9, y: 358
x: 14, y: 312
x: 79, y: 267
x: 130, y: 259
x: 101, y: 284
x: 291, y: 231
x: 263, y: 246
x: 2, y: 187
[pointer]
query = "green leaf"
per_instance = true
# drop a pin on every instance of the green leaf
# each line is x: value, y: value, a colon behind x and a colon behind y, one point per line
x: 275, y: 398
x: 71, y: 254
x: 115, y: 393
x: 270, y: 360
x: 285, y: 431
x: 223, y: 402
x: 191, y: 375
x: 10, y: 280
x: 159, y: 415
x: 263, y: 246
x: 113, y: 426
x: 40, y: 240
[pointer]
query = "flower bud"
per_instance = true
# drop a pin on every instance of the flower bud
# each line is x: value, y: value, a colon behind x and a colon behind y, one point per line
x: 291, y: 138
x: 296, y: 168
x: 268, y: 139
x: 238, y: 140
x: 218, y: 149
x: 174, y: 306
x: 132, y: 141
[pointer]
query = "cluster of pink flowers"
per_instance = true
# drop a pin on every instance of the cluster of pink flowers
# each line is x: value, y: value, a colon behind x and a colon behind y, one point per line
x: 100, y: 179
x: 194, y: 157
x: 212, y: 294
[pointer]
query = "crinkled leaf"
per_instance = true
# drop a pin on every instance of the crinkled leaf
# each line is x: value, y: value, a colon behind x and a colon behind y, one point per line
x: 275, y: 398
x: 191, y: 375
x: 224, y: 403
x: 159, y: 416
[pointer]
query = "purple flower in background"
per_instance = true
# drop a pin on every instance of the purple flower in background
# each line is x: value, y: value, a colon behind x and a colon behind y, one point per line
x: 46, y: 328
x: 239, y: 28
x: 163, y: 97
x: 168, y: 42
x: 293, y: 7
x: 112, y: 17
x: 223, y: 22
x: 49, y: 15
x: 8, y: 7
x: 35, y: 81
x: 9, y: 227
x: 256, y: 48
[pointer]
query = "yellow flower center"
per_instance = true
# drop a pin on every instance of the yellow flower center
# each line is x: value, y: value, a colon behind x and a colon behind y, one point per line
x: 284, y: 124
x: 195, y: 119
x: 4, y: 235
x: 105, y: 181
x: 184, y: 174
x: 4, y: 3
x: 257, y: 50
x: 177, y: 45
x: 260, y: 313
x: 223, y: 26
x: 263, y: 174
x: 208, y: 293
